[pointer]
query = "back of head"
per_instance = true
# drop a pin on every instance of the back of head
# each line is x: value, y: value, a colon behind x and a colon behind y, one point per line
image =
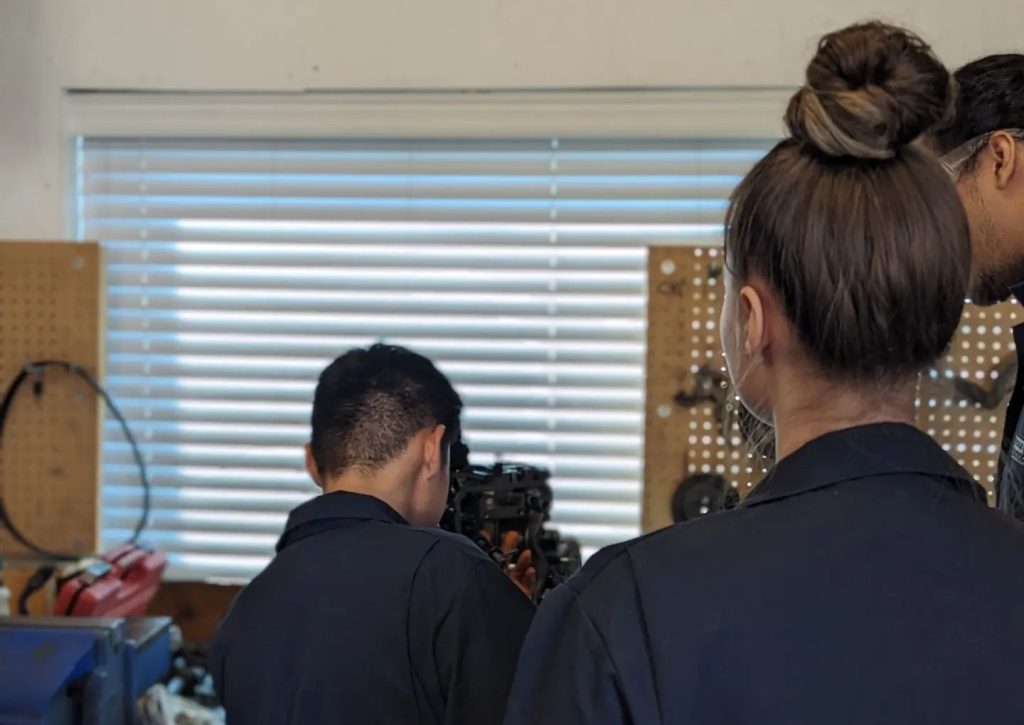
x: 990, y: 97
x: 370, y: 403
x: 859, y: 234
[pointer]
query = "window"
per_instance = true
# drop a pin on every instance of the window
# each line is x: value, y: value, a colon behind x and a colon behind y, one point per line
x: 238, y: 267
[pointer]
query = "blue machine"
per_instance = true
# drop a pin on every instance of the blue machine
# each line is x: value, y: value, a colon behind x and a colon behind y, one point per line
x: 72, y: 670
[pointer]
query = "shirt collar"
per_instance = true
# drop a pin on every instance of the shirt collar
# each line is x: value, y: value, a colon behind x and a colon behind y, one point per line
x: 1017, y: 291
x: 340, y: 507
x: 862, y: 452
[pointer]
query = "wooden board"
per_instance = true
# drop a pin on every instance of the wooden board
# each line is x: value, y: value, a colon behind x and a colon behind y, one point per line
x: 51, y: 308
x: 40, y: 603
x: 684, y: 306
x: 970, y: 432
x: 197, y: 608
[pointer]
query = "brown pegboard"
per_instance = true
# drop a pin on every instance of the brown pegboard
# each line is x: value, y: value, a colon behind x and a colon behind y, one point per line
x: 981, y: 350
x: 684, y: 305
x: 41, y: 603
x: 51, y: 308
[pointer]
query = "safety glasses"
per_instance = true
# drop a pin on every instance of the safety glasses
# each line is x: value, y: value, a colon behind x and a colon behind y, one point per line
x: 955, y: 160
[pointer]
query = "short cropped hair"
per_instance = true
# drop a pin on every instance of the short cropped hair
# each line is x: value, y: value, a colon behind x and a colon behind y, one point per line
x: 990, y: 97
x: 370, y: 402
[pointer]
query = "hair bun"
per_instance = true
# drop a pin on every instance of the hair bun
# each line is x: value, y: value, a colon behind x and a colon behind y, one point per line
x: 870, y: 90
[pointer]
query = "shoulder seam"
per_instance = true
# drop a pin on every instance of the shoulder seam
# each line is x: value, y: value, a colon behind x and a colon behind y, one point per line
x: 461, y: 588
x: 596, y: 571
x: 466, y: 548
x: 408, y: 619
x: 645, y: 629
x: 578, y: 603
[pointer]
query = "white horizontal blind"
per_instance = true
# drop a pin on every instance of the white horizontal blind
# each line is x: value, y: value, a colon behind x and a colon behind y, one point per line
x: 238, y: 269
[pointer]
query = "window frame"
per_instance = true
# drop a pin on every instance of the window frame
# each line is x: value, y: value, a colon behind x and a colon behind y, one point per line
x: 733, y: 113
x: 630, y: 115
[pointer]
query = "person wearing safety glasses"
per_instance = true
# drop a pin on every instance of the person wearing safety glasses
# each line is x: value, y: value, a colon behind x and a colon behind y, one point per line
x: 982, y: 147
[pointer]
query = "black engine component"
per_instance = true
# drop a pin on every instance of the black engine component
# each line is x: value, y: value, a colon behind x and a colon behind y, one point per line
x: 701, y: 494
x: 487, y: 502
x: 992, y: 396
x: 709, y: 387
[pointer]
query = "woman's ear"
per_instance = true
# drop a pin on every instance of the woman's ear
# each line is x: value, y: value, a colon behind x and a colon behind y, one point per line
x: 756, y: 338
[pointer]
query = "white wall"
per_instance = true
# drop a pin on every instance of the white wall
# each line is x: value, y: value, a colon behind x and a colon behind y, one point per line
x: 47, y: 46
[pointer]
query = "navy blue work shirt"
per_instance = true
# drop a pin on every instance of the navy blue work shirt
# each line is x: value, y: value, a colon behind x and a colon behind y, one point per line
x: 364, y: 619
x: 863, y: 581
x: 1010, y: 479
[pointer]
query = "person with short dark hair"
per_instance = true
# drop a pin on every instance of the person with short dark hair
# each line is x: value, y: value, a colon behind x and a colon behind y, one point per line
x: 369, y: 613
x: 982, y: 147
x: 865, y: 579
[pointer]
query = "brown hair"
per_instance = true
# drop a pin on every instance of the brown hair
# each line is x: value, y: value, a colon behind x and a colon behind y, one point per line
x: 859, y: 233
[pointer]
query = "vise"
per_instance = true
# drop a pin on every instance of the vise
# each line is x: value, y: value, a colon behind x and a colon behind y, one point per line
x: 63, y: 670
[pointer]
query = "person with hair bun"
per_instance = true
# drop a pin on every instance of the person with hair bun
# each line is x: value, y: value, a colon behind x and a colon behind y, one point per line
x: 864, y: 580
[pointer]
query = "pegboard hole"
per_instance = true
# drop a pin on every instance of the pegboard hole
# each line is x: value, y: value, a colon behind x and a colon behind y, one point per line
x: 668, y: 267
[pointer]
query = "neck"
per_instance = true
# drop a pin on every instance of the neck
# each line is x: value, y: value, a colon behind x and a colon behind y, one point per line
x: 391, y: 484
x: 808, y: 408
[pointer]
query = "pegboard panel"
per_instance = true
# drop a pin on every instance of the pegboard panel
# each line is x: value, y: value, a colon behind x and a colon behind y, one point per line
x: 50, y: 308
x: 684, y: 306
x: 961, y: 403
